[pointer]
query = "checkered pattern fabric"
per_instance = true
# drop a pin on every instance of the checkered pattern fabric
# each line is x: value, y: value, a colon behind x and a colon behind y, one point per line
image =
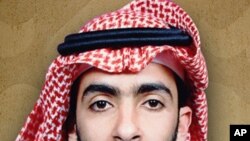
x: 50, y: 111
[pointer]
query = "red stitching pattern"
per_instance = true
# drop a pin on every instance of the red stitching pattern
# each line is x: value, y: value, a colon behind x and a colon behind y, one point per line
x: 46, y: 120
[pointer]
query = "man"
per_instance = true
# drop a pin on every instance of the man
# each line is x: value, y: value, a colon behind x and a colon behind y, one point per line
x: 136, y: 74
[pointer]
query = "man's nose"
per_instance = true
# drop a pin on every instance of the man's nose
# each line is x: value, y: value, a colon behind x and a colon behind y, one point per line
x: 127, y: 127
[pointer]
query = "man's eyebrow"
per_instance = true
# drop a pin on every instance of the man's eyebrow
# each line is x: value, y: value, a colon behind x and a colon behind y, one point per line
x: 104, y: 88
x: 149, y: 87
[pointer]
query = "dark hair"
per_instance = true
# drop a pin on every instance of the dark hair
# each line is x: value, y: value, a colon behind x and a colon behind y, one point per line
x: 68, y: 126
x: 183, y: 90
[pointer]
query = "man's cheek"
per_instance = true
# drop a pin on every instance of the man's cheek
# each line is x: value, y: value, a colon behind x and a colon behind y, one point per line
x: 160, y: 128
x: 96, y: 128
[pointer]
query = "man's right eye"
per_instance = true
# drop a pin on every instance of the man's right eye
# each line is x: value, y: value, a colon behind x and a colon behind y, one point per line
x: 100, y: 106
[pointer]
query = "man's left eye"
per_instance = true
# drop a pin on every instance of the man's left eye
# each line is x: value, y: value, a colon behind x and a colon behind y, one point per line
x: 153, y: 104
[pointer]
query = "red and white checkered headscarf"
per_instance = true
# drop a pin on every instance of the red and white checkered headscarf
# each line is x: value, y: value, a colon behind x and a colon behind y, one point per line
x: 50, y: 111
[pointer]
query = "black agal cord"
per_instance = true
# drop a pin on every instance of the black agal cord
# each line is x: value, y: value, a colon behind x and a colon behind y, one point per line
x: 123, y: 37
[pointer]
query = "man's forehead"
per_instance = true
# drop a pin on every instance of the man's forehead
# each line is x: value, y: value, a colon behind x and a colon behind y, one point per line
x: 152, y: 74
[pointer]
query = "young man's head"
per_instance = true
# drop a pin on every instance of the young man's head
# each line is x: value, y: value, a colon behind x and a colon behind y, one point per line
x: 123, y: 77
x: 145, y: 106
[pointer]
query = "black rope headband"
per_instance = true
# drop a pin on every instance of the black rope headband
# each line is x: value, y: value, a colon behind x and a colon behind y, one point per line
x: 123, y: 37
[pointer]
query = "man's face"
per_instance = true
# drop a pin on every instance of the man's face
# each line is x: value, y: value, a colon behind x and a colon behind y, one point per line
x: 128, y: 106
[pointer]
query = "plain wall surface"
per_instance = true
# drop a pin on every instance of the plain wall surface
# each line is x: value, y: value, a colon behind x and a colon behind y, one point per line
x: 31, y: 30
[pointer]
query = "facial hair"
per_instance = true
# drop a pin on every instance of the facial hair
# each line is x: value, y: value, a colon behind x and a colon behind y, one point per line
x: 173, y: 136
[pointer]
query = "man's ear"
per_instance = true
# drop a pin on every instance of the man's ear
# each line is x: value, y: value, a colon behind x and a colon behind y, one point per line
x: 72, y: 136
x: 185, y: 119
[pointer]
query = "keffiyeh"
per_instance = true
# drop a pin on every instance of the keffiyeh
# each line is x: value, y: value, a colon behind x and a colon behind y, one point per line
x: 50, y: 111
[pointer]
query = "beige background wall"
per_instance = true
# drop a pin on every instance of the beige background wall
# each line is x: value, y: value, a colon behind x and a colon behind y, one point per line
x: 30, y: 31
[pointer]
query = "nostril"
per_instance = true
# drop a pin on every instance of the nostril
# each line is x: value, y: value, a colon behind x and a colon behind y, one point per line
x: 117, y: 138
x: 136, y: 138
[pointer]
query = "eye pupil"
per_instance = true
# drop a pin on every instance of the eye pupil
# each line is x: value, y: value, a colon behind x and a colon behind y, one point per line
x: 153, y: 103
x: 101, y: 104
